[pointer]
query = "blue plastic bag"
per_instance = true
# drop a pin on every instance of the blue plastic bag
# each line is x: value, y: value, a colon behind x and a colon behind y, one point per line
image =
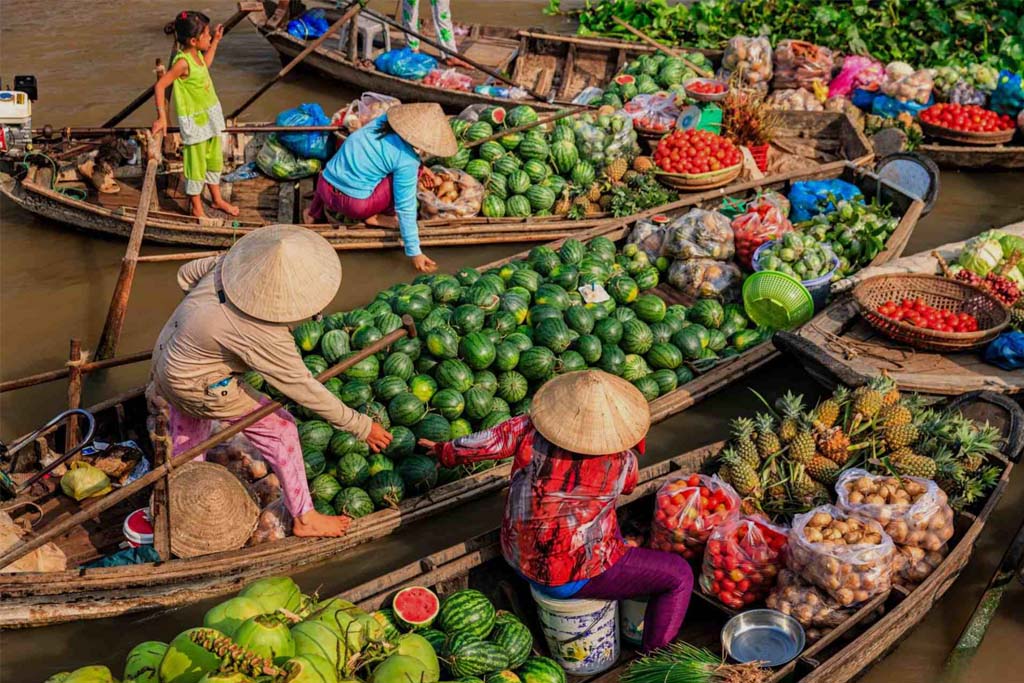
x: 862, y: 99
x: 305, y: 145
x: 1006, y: 351
x: 890, y: 108
x: 405, y: 63
x: 312, y: 24
x: 808, y: 198
x: 1008, y: 97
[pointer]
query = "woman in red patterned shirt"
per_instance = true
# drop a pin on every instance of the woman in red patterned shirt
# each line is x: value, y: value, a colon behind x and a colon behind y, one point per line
x: 573, y: 456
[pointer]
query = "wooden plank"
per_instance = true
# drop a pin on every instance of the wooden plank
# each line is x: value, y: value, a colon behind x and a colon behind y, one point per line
x: 286, y: 203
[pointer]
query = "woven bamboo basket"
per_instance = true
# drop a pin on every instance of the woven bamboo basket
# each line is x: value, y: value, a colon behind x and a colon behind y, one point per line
x: 700, y: 181
x: 998, y: 137
x: 938, y: 292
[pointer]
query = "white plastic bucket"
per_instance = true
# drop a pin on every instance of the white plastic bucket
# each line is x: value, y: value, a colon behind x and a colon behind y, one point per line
x: 631, y: 620
x: 138, y: 528
x: 582, y: 635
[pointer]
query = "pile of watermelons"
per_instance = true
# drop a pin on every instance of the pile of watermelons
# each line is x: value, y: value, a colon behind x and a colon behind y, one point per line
x: 530, y: 173
x: 486, y: 342
x: 648, y: 74
x: 272, y: 632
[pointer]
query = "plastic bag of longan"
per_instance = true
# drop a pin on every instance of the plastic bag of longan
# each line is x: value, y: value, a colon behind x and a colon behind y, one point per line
x: 806, y: 603
x: 911, y: 566
x: 848, y: 557
x: 913, y: 511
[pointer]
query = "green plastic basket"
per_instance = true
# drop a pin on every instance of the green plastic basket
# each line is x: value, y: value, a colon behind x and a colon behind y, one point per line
x: 776, y: 300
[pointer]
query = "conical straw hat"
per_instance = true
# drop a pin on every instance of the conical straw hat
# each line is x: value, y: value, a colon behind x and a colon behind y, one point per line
x: 281, y: 273
x: 210, y: 510
x: 424, y: 125
x: 590, y: 412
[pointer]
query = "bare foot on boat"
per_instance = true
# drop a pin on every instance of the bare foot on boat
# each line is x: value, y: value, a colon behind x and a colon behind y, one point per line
x: 307, y: 218
x: 382, y: 221
x: 316, y: 525
x: 196, y: 207
x: 229, y: 209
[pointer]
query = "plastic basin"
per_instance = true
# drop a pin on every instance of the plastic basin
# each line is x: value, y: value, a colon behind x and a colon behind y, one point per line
x: 818, y: 287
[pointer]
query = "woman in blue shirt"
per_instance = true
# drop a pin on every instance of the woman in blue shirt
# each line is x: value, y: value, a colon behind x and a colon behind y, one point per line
x: 376, y: 172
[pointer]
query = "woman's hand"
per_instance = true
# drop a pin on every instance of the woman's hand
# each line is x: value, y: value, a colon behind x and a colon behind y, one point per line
x: 378, y: 439
x: 431, y: 447
x: 423, y: 263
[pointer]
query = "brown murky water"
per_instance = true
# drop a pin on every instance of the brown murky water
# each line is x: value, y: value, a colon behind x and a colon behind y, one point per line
x: 56, y: 283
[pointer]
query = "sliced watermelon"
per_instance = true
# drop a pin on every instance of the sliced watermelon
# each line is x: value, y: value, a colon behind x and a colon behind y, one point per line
x: 416, y: 607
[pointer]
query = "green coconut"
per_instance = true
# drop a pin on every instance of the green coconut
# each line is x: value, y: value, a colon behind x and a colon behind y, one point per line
x: 274, y: 593
x: 144, y: 661
x: 318, y: 639
x: 229, y: 615
x: 310, y: 669
x: 187, y: 662
x: 399, y: 669
x: 343, y: 618
x: 418, y: 647
x: 58, y: 677
x: 266, y: 635
x: 226, y: 677
x: 90, y: 674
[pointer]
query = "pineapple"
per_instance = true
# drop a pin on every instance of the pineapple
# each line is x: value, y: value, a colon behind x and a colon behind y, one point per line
x: 742, y: 431
x: 790, y: 406
x: 773, y: 484
x: 892, y: 396
x: 803, y: 487
x: 895, y: 414
x: 899, y: 435
x: 767, y: 440
x: 827, y: 411
x: 868, y: 400
x: 905, y: 461
x: 744, y: 477
x: 974, y: 444
x: 562, y: 206
x: 594, y: 192
x: 643, y: 164
x: 823, y: 470
x: 1016, y: 313
x: 834, y: 445
x: 616, y: 169
x: 605, y: 202
x: 802, y: 447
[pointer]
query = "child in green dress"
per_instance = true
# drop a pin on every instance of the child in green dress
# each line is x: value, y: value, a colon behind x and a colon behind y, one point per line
x: 200, y: 118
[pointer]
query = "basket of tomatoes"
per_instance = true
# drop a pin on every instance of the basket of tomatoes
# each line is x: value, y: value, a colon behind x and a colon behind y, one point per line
x: 967, y: 123
x: 931, y: 313
x: 742, y: 559
x: 697, y: 160
x: 687, y: 510
x: 706, y: 89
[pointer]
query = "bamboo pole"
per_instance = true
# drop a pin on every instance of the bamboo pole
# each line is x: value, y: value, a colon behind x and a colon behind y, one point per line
x: 243, y: 10
x: 122, y: 290
x: 93, y: 509
x: 163, y: 451
x: 46, y: 132
x: 74, y: 393
x: 299, y: 58
x: 52, y: 375
x: 668, y: 50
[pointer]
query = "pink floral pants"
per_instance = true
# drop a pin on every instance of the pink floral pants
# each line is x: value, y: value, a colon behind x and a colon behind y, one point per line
x: 275, y: 437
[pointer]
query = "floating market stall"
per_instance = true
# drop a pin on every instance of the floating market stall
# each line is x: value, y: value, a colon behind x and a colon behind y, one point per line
x: 482, y: 621
x: 487, y: 338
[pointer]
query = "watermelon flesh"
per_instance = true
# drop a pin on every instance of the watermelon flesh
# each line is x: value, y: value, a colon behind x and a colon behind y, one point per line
x: 416, y: 607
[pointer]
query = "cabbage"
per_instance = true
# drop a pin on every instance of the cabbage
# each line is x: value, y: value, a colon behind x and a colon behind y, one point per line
x: 1011, y: 243
x: 981, y: 254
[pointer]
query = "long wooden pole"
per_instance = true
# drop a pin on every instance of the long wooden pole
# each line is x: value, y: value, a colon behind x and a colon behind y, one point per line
x: 123, y: 289
x: 665, y: 48
x: 299, y: 58
x: 243, y: 9
x: 92, y: 366
x: 74, y: 393
x: 90, y: 511
x: 47, y: 131
x: 438, y: 46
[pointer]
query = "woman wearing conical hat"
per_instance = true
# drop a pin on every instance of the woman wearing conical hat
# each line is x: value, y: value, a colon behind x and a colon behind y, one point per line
x: 573, y: 456
x: 235, y: 318
x: 377, y: 172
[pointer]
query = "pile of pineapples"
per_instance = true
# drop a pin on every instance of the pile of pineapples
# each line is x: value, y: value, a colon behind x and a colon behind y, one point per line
x: 787, y: 460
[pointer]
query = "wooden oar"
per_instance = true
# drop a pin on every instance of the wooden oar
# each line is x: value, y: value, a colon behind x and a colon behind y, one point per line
x: 243, y: 10
x: 299, y: 58
x: 94, y: 508
x: 436, y: 45
x: 664, y: 48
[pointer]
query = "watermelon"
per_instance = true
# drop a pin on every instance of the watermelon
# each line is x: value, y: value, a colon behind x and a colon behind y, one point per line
x: 479, y: 169
x: 542, y: 312
x: 716, y: 340
x: 433, y: 427
x: 520, y: 116
x: 378, y: 462
x: 477, y: 658
x: 352, y: 470
x: 353, y: 502
x: 454, y: 374
x: 446, y: 289
x: 435, y: 637
x: 410, y: 346
x: 491, y: 151
x: 536, y: 363
x: 365, y: 370
x: 493, y: 205
x: 552, y: 333
x: 357, y: 318
x: 707, y: 312
x: 608, y: 330
x: 647, y: 278
x: 664, y: 357
x: 307, y: 335
x: 507, y: 165
x: 442, y: 342
x: 518, y: 182
x: 623, y: 289
x: 485, y: 379
x: 556, y: 183
x: 416, y: 307
x: 624, y: 315
x: 387, y: 323
x: 479, y: 131
x: 572, y: 251
x: 386, y: 388
x: 449, y: 403
x: 477, y: 350
x: 315, y: 364
x: 419, y: 473
x: 324, y: 487
x: 314, y: 463
x: 636, y: 337
x: 423, y: 387
x: 467, y: 611
x: 516, y: 304
x: 634, y: 368
x: 467, y: 276
x: 494, y: 115
x: 517, y: 206
x: 541, y: 198
x: 406, y: 409
x: 536, y: 169
x: 378, y: 413
x: 416, y: 607
x: 512, y: 386
x: 334, y: 321
x: 565, y: 155
x: 650, y: 308
x: 582, y: 174
x: 520, y: 340
x: 478, y: 403
x: 468, y: 318
x: 580, y: 319
x: 541, y: 670
x: 552, y: 295
x: 403, y: 441
x: 459, y: 127
x: 501, y: 323
x: 342, y: 443
x: 533, y: 148
x: 506, y: 356
x: 366, y: 336
x: 460, y: 428
x: 570, y: 361
x: 666, y: 379
x: 315, y: 435
x: 334, y: 344
x: 593, y: 269
x: 612, y: 360
x: 386, y: 489
x: 530, y: 280
x: 689, y: 341
x: 648, y: 386
x: 493, y: 335
x: 497, y: 186
x: 515, y: 639
x: 510, y: 141
x: 589, y: 347
x: 398, y: 365
x: 565, y: 276
x: 662, y: 332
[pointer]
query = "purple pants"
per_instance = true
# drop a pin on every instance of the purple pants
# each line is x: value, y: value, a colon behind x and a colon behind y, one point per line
x: 381, y: 201
x: 666, y: 578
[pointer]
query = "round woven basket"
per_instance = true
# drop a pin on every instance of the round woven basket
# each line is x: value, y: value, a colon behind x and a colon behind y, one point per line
x: 210, y: 510
x: 997, y: 137
x: 939, y: 292
x: 700, y: 181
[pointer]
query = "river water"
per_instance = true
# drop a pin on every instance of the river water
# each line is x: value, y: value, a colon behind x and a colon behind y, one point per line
x: 56, y: 284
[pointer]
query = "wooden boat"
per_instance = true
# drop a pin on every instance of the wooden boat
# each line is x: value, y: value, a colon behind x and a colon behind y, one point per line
x: 35, y: 599
x: 838, y: 345
x: 839, y: 656
x: 997, y: 157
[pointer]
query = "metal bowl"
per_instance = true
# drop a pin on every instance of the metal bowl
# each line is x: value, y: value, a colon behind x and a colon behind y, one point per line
x: 763, y: 635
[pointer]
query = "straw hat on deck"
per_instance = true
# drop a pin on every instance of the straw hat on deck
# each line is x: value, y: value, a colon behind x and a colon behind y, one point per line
x: 590, y: 412
x: 210, y: 510
x: 424, y: 126
x: 281, y: 273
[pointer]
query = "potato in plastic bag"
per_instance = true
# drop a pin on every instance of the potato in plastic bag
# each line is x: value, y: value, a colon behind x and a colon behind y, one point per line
x: 458, y: 195
x: 797, y: 99
x: 906, y: 85
x: 700, y: 233
x: 707, y: 278
x: 750, y: 59
x: 799, y: 63
x: 83, y: 480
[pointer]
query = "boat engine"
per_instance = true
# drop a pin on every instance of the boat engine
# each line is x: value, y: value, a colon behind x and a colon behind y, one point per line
x: 16, y: 117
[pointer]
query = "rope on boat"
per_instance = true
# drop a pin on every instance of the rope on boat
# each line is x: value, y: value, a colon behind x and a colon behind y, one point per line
x: 73, y: 192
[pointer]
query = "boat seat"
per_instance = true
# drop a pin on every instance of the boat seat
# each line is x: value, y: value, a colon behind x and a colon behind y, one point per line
x: 368, y: 30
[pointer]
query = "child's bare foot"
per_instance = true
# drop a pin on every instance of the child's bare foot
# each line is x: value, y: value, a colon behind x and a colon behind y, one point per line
x: 315, y: 524
x: 382, y: 221
x: 196, y: 207
x: 229, y: 209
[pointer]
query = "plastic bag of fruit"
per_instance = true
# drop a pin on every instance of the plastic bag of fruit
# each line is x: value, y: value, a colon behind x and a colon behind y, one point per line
x: 848, y: 557
x: 706, y: 278
x: 905, y: 84
x: 911, y: 565
x: 857, y: 72
x: 449, y: 79
x: 273, y: 524
x: 657, y: 112
x: 798, y: 99
x: 449, y: 193
x: 742, y: 558
x: 360, y: 112
x: 648, y: 234
x: 699, y: 233
x: 762, y: 223
x: 806, y: 603
x: 606, y: 135
x: 1008, y: 97
x: 750, y: 59
x: 798, y: 64
x: 913, y: 511
x: 687, y: 510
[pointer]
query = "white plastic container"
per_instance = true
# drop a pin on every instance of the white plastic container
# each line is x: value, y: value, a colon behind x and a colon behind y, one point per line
x: 582, y: 635
x: 631, y: 620
x: 138, y: 528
